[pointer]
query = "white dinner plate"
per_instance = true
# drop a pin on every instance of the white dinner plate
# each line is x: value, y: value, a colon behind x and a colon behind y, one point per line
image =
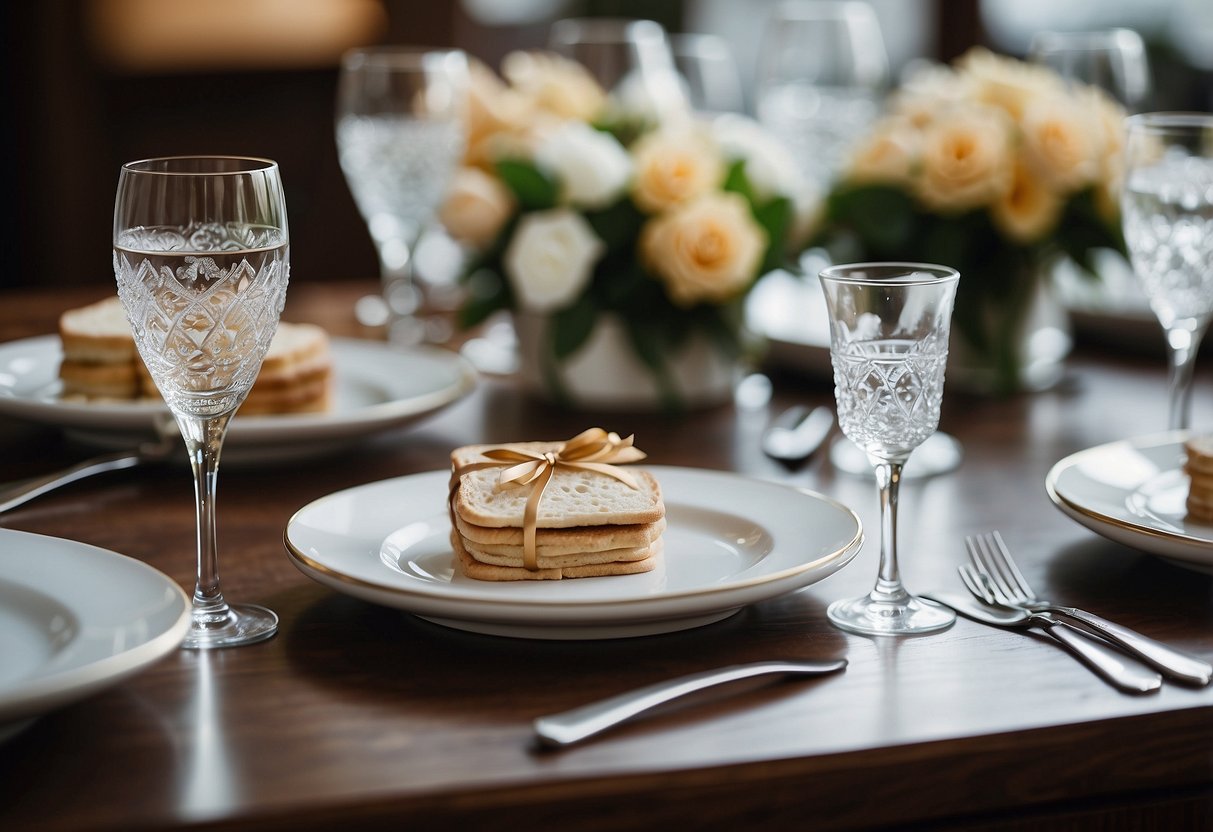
x: 729, y: 541
x: 1133, y: 491
x: 377, y: 387
x: 75, y: 619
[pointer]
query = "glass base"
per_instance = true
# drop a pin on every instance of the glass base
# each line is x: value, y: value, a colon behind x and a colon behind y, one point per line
x: 938, y: 454
x: 244, y: 624
x: 874, y: 617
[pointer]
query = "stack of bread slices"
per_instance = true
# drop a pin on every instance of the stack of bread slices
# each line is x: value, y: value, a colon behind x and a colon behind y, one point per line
x: 1199, y: 468
x: 589, y: 524
x: 100, y: 363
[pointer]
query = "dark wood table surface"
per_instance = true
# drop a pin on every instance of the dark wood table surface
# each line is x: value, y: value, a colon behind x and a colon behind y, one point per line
x: 365, y: 717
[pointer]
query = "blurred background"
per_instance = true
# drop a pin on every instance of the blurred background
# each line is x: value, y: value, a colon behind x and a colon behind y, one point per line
x: 91, y: 84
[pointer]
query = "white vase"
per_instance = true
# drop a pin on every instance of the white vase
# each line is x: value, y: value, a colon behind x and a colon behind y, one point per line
x: 606, y: 374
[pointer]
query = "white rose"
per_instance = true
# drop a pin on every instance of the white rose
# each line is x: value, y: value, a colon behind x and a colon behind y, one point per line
x: 769, y: 165
x: 550, y: 258
x: 591, y: 166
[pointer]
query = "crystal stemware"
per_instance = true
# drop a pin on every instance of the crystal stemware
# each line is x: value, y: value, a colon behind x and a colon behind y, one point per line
x: 1112, y: 59
x: 400, y: 136
x: 822, y: 69
x: 889, y: 325
x: 1167, y: 211
x: 632, y: 60
x: 201, y: 258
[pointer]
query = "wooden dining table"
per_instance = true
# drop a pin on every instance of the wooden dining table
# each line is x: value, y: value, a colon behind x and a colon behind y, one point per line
x: 363, y: 716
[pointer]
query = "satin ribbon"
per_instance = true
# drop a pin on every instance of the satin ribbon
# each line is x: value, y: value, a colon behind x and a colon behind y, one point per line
x: 591, y: 450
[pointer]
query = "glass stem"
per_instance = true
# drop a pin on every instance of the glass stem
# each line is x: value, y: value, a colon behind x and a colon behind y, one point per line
x: 204, y: 442
x: 1183, y: 342
x: 888, y: 578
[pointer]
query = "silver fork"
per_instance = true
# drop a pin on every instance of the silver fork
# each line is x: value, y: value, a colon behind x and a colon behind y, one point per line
x: 1115, y: 667
x: 990, y: 556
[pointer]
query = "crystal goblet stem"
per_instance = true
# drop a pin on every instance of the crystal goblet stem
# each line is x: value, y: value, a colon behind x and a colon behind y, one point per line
x: 889, y: 325
x: 201, y: 259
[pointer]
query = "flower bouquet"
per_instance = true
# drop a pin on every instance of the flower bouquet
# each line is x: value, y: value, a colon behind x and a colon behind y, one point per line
x: 994, y: 167
x: 584, y: 210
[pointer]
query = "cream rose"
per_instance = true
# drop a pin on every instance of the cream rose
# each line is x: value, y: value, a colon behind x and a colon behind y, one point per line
x: 1006, y: 83
x: 554, y: 84
x: 708, y: 250
x: 1029, y: 210
x: 1061, y: 142
x: 769, y: 165
x: 550, y: 259
x: 674, y: 166
x: 591, y: 166
x: 888, y: 155
x: 966, y: 160
x: 476, y: 207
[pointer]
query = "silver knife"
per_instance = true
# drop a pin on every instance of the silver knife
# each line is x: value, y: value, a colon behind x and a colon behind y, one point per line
x: 1124, y: 673
x: 581, y: 723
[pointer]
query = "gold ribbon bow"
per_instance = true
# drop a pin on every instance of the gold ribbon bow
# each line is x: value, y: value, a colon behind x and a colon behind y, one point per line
x: 592, y: 450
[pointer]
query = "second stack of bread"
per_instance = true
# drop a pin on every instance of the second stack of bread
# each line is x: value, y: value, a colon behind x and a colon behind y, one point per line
x: 100, y: 363
x: 589, y: 524
x: 1199, y: 468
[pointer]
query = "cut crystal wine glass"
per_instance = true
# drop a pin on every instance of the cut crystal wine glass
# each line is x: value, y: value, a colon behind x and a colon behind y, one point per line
x: 889, y: 326
x: 1167, y: 211
x: 400, y: 137
x: 201, y: 257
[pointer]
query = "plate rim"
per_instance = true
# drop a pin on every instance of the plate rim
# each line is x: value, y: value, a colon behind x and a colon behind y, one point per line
x: 119, y: 418
x: 844, y: 553
x: 45, y: 693
x: 1079, y: 512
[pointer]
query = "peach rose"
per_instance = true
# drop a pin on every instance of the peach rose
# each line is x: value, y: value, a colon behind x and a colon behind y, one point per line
x: 553, y: 84
x: 476, y: 207
x: 674, y: 166
x: 1006, y: 83
x: 708, y: 250
x: 966, y: 160
x: 1060, y: 141
x: 888, y: 155
x: 1029, y: 210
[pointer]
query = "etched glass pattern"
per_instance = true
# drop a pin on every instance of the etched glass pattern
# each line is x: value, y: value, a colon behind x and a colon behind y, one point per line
x: 203, y: 303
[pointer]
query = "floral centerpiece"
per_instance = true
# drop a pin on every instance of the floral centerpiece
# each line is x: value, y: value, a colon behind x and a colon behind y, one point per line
x: 580, y: 208
x: 994, y: 167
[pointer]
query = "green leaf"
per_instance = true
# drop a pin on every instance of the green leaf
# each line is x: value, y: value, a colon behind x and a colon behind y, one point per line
x: 736, y: 181
x: 618, y: 225
x: 882, y: 216
x: 571, y: 326
x: 774, y: 217
x: 534, y: 190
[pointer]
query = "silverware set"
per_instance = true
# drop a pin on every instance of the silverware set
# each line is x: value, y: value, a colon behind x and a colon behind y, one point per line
x: 1004, y: 598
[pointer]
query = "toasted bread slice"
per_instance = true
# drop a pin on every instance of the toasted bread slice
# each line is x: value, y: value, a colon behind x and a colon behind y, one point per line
x: 558, y: 561
x: 97, y: 334
x: 472, y: 568
x: 561, y: 541
x: 574, y: 497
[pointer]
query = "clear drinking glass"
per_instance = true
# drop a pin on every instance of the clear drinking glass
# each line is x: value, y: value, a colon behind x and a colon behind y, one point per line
x: 709, y: 70
x: 1167, y: 211
x: 889, y: 325
x: 1112, y: 59
x: 631, y: 60
x: 400, y: 137
x: 202, y: 261
x: 821, y: 74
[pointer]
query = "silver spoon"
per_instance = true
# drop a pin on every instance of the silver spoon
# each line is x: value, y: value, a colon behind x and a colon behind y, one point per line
x: 797, y: 434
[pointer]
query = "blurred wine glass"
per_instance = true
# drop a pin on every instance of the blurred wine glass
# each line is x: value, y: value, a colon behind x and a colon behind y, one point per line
x: 1167, y: 210
x: 400, y: 137
x: 709, y: 70
x: 821, y: 76
x: 1115, y: 61
x: 1112, y: 59
x: 631, y: 60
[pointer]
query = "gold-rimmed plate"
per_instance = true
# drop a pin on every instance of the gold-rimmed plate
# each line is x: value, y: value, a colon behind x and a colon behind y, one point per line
x: 1134, y: 491
x: 729, y: 541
